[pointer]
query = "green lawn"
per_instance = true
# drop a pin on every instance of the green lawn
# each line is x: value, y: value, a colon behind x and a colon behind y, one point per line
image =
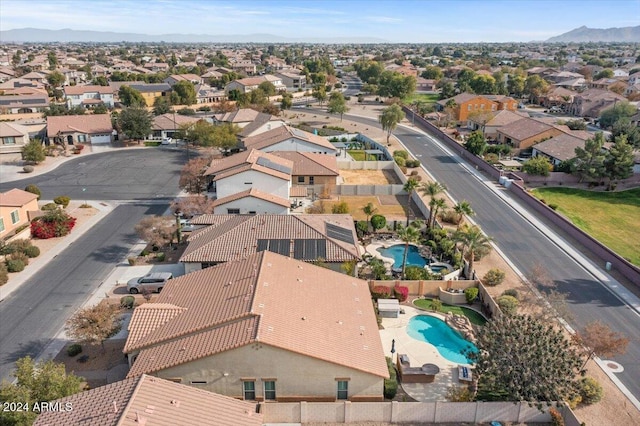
x: 473, y: 316
x: 423, y: 97
x: 610, y: 217
x: 359, y: 155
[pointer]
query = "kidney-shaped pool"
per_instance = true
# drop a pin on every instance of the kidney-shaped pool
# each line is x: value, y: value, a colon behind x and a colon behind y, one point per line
x: 448, y: 342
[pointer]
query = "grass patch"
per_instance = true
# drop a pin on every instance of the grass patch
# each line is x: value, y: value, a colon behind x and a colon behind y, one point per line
x: 473, y: 316
x: 609, y: 217
x: 422, y: 97
x: 359, y: 155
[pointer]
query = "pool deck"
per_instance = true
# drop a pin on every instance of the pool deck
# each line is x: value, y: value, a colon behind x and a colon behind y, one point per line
x: 419, y: 353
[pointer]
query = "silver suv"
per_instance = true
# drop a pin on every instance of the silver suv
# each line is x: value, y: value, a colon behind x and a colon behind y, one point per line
x: 153, y: 281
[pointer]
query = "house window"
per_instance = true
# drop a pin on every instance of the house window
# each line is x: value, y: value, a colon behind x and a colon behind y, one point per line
x: 1, y: 224
x: 310, y: 180
x: 249, y: 390
x: 469, y: 107
x: 198, y: 382
x: 343, y: 389
x: 82, y: 138
x: 233, y: 211
x: 300, y: 179
x: 252, y: 212
x: 270, y: 390
x: 15, y: 217
x: 9, y: 140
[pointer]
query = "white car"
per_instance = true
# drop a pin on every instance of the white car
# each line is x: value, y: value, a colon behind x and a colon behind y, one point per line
x: 153, y: 281
x: 166, y: 141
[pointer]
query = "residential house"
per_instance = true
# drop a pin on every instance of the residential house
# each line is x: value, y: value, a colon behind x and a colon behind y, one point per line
x: 311, y: 169
x: 38, y: 78
x: 166, y: 125
x: 176, y: 78
x: 292, y: 79
x: 263, y: 328
x: 607, y: 84
x: 592, y: 102
x: 302, y: 236
x: 17, y: 208
x: 152, y: 91
x: 88, y: 128
x: 251, y: 201
x: 246, y: 85
x: 20, y: 86
x: 503, y: 102
x: 286, y: 138
x: 250, y: 121
x: 560, y: 148
x: 244, y: 67
x: 557, y: 96
x: 149, y: 400
x: 157, y: 67
x: 89, y: 96
x: 575, y: 84
x: 425, y: 85
x: 490, y: 122
x: 12, y: 137
x: 466, y: 104
x: 526, y: 132
x: 206, y: 94
x: 23, y: 104
x: 6, y: 73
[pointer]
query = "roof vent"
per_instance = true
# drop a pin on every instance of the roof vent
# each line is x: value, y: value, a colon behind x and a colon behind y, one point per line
x: 175, y: 402
x: 270, y: 328
x: 357, y: 299
x: 339, y: 322
x: 362, y: 327
x: 269, y: 264
x: 261, y: 305
x: 140, y: 419
x: 266, y: 284
x: 365, y: 347
x: 299, y: 280
x: 182, y: 349
x: 304, y: 318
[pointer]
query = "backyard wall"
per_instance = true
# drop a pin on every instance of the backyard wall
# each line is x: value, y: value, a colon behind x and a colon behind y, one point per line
x: 424, y: 287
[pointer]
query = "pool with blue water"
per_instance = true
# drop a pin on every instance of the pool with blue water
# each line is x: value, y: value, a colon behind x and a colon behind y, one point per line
x: 448, y: 342
x: 396, y: 252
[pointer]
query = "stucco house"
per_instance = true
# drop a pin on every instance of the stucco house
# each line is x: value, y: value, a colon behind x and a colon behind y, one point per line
x: 250, y: 121
x: 286, y: 138
x: 251, y: 201
x: 246, y: 85
x: 560, y: 148
x: 490, y: 122
x: 311, y: 169
x: 89, y: 96
x: 23, y: 104
x: 467, y: 104
x: 149, y: 400
x: 166, y: 125
x: 152, y: 91
x: 17, y: 208
x: 592, y: 102
x: 292, y: 80
x: 88, y: 128
x: 12, y: 137
x: 304, y: 237
x: 263, y: 328
x: 526, y: 132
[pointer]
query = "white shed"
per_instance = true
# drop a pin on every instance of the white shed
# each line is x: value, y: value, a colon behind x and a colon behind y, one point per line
x: 389, y: 308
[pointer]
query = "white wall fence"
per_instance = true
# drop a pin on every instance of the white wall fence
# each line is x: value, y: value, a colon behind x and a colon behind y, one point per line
x: 404, y: 412
x: 367, y: 165
x: 368, y: 190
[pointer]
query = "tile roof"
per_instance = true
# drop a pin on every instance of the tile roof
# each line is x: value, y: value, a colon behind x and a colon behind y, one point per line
x: 562, y: 147
x: 12, y: 129
x: 250, y: 160
x: 16, y: 198
x: 459, y: 99
x: 87, y: 123
x: 147, y: 318
x: 170, y: 121
x: 152, y: 401
x: 282, y: 133
x: 79, y: 90
x: 236, y: 236
x: 252, y: 193
x: 524, y: 128
x: 242, y: 115
x: 309, y: 163
x: 251, y: 300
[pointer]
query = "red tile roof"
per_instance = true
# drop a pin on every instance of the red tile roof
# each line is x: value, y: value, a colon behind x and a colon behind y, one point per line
x: 16, y: 198
x: 310, y: 164
x: 282, y: 133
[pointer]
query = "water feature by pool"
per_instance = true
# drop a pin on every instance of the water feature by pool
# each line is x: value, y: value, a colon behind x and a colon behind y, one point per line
x: 396, y: 252
x: 448, y: 342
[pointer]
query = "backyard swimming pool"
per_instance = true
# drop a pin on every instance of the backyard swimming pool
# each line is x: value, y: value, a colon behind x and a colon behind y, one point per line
x: 396, y: 252
x: 436, y: 332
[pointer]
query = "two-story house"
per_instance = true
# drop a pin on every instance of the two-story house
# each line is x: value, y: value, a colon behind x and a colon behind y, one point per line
x: 12, y: 137
x: 89, y: 96
x: 246, y: 85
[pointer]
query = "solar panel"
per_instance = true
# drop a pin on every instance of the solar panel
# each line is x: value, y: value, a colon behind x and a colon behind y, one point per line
x: 299, y: 133
x: 310, y: 249
x: 262, y: 245
x: 265, y: 162
x: 340, y: 233
x: 322, y: 248
x: 282, y: 247
x: 298, y: 249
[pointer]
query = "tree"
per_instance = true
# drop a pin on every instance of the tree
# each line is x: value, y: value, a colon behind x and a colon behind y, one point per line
x: 599, y: 339
x: 408, y: 234
x: 193, y: 205
x: 605, y: 73
x: 516, y: 85
x: 56, y: 79
x: 340, y: 208
x: 130, y: 97
x: 100, y: 81
x: 34, y: 190
x: 186, y: 92
x: 538, y: 165
x: 432, y: 73
x: 521, y: 358
x: 135, y: 122
x: 436, y: 205
x: 474, y: 243
x: 94, y: 324
x: 624, y: 126
x: 535, y: 86
x: 409, y: 187
x: 156, y: 230
x: 475, y: 143
x: 378, y: 222
x: 483, y: 84
x: 589, y: 161
x: 576, y: 124
x: 320, y: 93
x: 33, y: 151
x: 161, y: 105
x: 389, y: 119
x: 463, y: 83
x: 369, y: 210
x: 431, y: 189
x: 461, y: 209
x: 192, y: 178
x: 618, y: 163
x: 447, y: 89
x: 268, y: 88
x: 287, y: 101
x: 337, y: 104
x: 35, y: 382
x: 620, y: 110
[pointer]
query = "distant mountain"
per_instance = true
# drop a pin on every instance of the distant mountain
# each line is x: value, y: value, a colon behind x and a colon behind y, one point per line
x: 35, y: 35
x: 584, y: 34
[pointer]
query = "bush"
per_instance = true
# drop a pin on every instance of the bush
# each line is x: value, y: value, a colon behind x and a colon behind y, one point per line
x: 340, y: 208
x: 436, y: 305
x: 49, y: 206
x: 4, y: 274
x: 449, y: 216
x: 470, y: 294
x: 186, y: 111
x: 152, y: 143
x: 378, y: 221
x: 28, y: 169
x: 15, y: 246
x: 493, y: 277
x: 412, y: 163
x: 34, y: 190
x: 556, y: 417
x: 62, y: 200
x: 15, y: 265
x: 511, y: 292
x: 401, y: 293
x: 127, y: 302
x: 33, y: 151
x: 32, y: 251
x: 390, y: 388
x: 508, y: 304
x: 590, y: 390
x: 380, y: 292
x: 400, y: 161
x: 553, y: 206
x: 401, y: 153
x: 55, y: 223
x: 160, y: 257
x: 74, y: 350
x: 416, y: 273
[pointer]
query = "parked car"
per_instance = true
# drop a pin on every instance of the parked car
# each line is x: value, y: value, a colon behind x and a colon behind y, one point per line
x: 166, y: 141
x: 153, y: 281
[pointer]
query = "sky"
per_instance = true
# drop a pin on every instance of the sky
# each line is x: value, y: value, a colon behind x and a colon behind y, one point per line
x: 420, y: 21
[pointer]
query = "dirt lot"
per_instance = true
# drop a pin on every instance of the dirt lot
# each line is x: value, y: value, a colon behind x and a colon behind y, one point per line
x: 93, y: 364
x: 393, y: 207
x: 369, y: 177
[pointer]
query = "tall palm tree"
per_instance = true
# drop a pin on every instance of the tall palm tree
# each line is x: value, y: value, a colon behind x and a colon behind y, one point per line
x: 431, y: 189
x: 461, y: 209
x: 408, y: 234
x: 436, y: 205
x: 474, y: 243
x: 369, y: 210
x: 409, y: 187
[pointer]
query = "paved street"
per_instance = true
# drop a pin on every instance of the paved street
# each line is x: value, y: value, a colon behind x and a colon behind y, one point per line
x: 35, y: 312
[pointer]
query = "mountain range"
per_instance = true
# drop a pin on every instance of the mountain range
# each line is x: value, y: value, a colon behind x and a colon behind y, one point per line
x: 35, y: 35
x: 584, y: 34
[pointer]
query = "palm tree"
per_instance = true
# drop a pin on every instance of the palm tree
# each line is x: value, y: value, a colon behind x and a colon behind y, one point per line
x: 461, y: 209
x: 369, y: 210
x: 408, y: 234
x: 474, y: 243
x: 435, y: 205
x: 431, y: 189
x: 409, y: 187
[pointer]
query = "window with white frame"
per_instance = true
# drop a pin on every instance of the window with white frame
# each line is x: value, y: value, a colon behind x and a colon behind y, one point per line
x: 249, y: 390
x: 15, y: 216
x: 343, y: 389
x: 270, y: 390
x: 9, y: 140
x: 2, y: 224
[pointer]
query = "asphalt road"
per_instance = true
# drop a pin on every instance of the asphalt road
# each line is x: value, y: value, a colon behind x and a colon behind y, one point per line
x: 33, y: 314
x: 588, y: 300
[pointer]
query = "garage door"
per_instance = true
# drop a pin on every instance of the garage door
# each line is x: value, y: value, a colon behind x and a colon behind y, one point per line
x: 100, y: 139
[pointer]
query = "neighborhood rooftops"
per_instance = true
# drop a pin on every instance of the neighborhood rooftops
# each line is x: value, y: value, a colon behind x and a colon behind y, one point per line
x: 87, y: 123
x: 79, y: 90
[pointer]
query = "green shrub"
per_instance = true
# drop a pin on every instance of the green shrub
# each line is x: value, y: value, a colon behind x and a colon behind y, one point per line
x: 15, y: 246
x: 340, y: 208
x: 436, y: 305
x: 415, y: 273
x: 401, y: 153
x: 390, y: 388
x: 400, y: 161
x: 511, y: 292
x: 493, y: 277
x: 49, y: 206
x: 590, y: 390
x: 32, y: 251
x: 470, y: 294
x: 144, y: 253
x: 4, y: 274
x: 378, y: 221
x: 127, y: 302
x: 508, y: 304
x: 15, y: 265
x: 412, y: 163
x: 553, y: 206
x: 74, y: 350
x: 160, y: 257
x: 34, y: 190
x: 62, y: 200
